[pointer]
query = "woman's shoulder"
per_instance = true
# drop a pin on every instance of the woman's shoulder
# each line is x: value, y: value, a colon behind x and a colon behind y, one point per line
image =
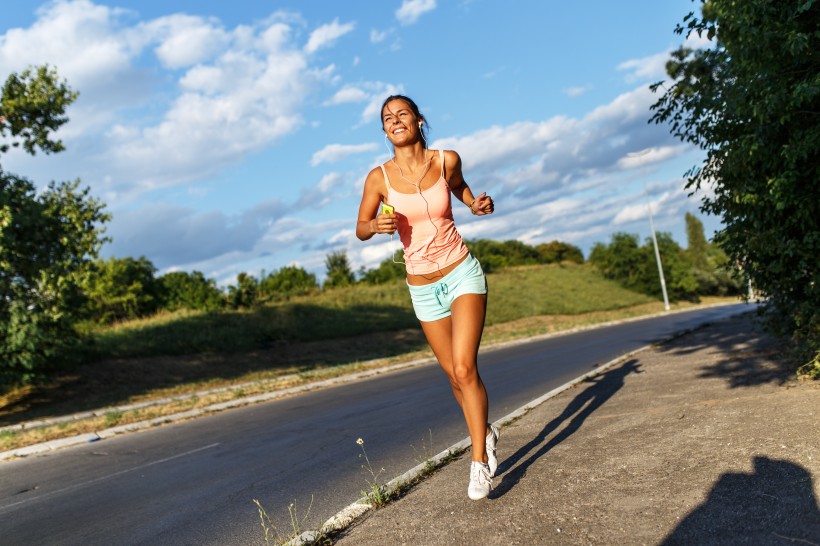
x: 376, y: 172
x: 375, y: 180
x: 451, y: 157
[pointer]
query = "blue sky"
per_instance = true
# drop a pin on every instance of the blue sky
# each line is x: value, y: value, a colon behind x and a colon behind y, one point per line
x: 236, y: 136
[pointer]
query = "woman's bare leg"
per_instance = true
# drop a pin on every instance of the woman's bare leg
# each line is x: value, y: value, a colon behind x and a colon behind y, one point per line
x: 455, y: 342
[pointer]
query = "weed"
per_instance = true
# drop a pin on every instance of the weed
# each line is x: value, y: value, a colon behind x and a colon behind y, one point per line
x: 7, y: 438
x: 272, y: 534
x: 427, y: 454
x: 378, y: 495
x: 112, y: 418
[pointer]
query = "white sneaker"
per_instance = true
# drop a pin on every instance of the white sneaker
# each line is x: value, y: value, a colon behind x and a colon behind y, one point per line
x: 481, y: 483
x: 489, y: 446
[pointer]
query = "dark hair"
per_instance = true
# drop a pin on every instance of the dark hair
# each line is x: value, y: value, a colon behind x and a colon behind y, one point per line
x: 415, y: 108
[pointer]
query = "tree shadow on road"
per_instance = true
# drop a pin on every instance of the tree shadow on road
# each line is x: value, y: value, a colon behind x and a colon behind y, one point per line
x: 775, y: 504
x: 602, y: 388
x: 748, y: 356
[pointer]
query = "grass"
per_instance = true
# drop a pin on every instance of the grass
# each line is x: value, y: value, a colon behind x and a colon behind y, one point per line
x: 358, y: 310
x: 335, y: 333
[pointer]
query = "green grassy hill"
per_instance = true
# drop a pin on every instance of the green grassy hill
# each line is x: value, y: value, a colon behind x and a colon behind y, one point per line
x: 329, y: 333
x: 357, y: 310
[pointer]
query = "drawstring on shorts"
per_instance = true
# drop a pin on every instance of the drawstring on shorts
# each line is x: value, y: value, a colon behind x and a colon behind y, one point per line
x: 441, y: 290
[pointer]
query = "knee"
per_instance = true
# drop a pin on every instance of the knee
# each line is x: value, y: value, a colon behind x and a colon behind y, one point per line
x: 465, y: 374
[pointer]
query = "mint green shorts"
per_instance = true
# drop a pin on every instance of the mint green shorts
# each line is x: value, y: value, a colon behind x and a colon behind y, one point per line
x: 432, y: 301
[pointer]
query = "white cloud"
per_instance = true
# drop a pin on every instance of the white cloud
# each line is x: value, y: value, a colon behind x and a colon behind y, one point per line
x: 576, y: 91
x: 185, y: 40
x: 239, y: 89
x: 325, y: 35
x: 639, y: 211
x: 378, y: 92
x: 347, y: 94
x: 336, y: 152
x: 645, y: 68
x: 378, y: 36
x: 411, y: 10
x: 653, y: 67
x: 79, y: 37
x: 650, y: 155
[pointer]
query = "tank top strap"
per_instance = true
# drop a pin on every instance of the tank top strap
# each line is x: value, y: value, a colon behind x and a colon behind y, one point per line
x: 441, y: 158
x: 386, y: 180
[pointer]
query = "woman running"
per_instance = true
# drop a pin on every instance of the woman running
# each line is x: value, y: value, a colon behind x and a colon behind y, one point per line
x: 447, y: 285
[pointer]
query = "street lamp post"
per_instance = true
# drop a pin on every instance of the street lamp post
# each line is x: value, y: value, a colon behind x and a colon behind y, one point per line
x: 652, y: 227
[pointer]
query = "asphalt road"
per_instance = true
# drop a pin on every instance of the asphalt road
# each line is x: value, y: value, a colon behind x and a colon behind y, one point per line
x: 194, y: 482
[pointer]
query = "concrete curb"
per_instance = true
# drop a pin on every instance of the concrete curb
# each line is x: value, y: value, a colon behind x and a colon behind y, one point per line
x: 357, y: 509
x: 46, y: 447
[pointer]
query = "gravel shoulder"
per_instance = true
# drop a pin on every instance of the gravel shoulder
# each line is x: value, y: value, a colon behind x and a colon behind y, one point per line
x: 706, y: 439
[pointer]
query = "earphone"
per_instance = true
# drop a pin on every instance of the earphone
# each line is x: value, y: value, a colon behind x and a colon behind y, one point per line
x: 417, y: 185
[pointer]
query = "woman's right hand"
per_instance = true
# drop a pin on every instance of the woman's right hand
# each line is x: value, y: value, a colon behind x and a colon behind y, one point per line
x: 384, y: 223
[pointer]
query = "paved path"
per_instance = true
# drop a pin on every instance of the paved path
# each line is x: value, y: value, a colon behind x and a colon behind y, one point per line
x: 703, y: 440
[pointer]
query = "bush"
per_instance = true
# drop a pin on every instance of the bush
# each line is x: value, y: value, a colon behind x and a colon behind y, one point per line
x: 183, y: 290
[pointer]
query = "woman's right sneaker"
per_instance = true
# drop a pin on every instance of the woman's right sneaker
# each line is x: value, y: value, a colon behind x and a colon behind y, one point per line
x: 489, y: 446
x: 481, y: 483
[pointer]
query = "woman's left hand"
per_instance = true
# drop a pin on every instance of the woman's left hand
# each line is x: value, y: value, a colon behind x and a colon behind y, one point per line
x: 483, y: 204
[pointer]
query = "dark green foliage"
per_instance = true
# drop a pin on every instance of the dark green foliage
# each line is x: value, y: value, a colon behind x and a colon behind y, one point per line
x: 556, y: 252
x: 245, y: 293
x: 711, y: 268
x: 47, y: 242
x: 495, y: 255
x: 635, y: 267
x: 696, y: 246
x: 32, y: 105
x: 623, y: 260
x: 387, y: 271
x: 752, y: 103
x: 183, y: 290
x: 122, y: 288
x: 288, y: 281
x: 338, y: 270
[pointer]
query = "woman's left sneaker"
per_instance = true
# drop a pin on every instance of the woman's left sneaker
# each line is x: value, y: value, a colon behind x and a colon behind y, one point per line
x: 481, y: 483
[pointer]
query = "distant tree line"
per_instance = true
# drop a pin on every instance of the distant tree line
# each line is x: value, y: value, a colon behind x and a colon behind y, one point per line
x: 702, y: 269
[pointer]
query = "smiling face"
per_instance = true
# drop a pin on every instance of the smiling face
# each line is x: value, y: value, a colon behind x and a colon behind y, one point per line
x: 400, y: 122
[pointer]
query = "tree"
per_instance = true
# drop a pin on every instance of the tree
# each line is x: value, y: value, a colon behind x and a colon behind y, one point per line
x: 621, y: 260
x: 183, y: 290
x: 47, y: 244
x: 47, y: 241
x: 711, y: 268
x: 635, y: 267
x: 557, y: 252
x: 32, y: 106
x: 288, y: 281
x: 122, y: 289
x: 245, y: 293
x: 338, y: 270
x: 696, y: 245
x: 751, y: 101
x: 386, y: 272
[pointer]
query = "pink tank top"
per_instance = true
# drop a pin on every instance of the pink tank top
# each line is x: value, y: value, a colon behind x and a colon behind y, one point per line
x: 426, y: 227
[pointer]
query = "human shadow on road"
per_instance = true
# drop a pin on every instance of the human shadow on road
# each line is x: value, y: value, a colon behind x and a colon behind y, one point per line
x: 602, y: 388
x: 775, y: 504
x: 748, y: 355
